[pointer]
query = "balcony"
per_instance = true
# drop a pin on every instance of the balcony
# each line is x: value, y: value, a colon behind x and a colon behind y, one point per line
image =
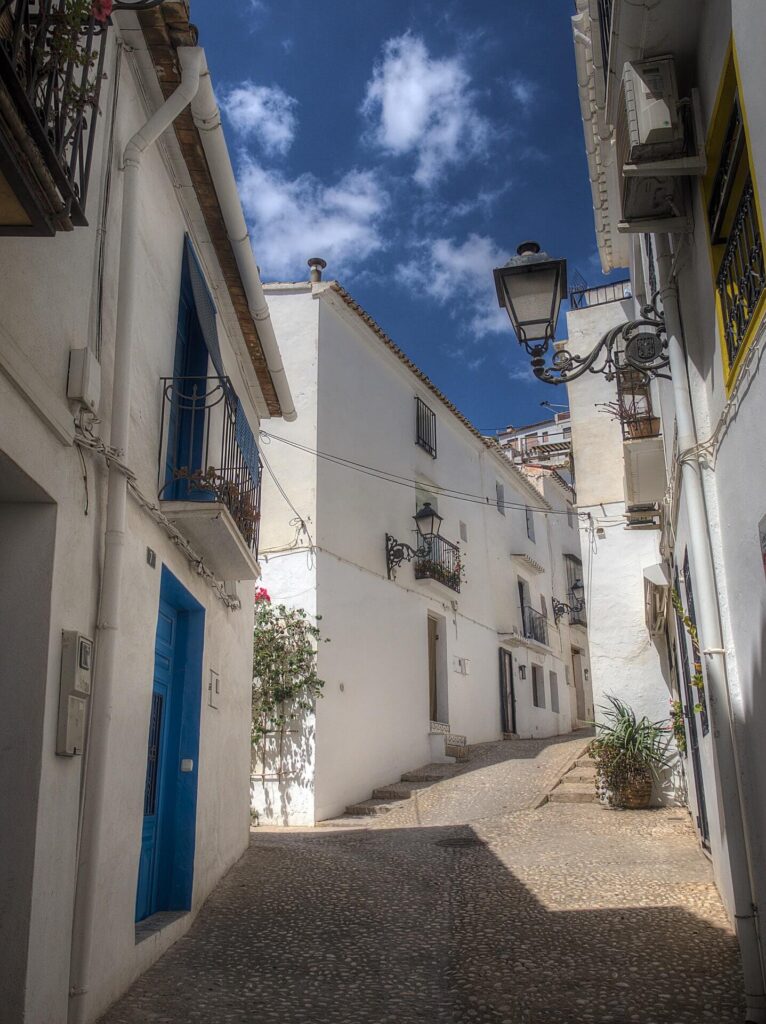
x: 581, y: 296
x: 535, y: 625
x: 442, y: 563
x: 51, y: 70
x: 210, y: 473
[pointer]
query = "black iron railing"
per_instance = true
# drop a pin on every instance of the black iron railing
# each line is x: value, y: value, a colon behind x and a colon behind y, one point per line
x: 583, y: 297
x: 442, y: 563
x: 634, y: 406
x: 575, y: 591
x: 208, y: 452
x: 535, y: 625
x: 605, y: 29
x: 51, y: 69
x: 425, y: 427
x: 740, y: 281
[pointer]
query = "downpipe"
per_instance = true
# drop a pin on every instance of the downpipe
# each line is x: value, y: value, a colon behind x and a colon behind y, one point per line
x: 207, y: 118
x: 100, y: 745
x: 732, y: 803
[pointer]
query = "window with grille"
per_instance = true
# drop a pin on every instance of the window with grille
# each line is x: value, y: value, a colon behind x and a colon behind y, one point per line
x: 574, y: 577
x: 500, y: 497
x: 538, y: 687
x: 425, y: 427
x: 734, y: 227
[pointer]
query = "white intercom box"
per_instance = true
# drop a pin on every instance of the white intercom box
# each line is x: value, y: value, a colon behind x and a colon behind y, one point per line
x: 84, y: 380
x: 76, y: 676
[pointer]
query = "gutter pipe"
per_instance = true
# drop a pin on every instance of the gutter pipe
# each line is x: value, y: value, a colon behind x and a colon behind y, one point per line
x: 100, y: 745
x: 207, y: 118
x: 722, y: 732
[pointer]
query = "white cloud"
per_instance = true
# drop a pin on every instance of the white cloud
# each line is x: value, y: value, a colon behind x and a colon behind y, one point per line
x: 523, y: 91
x: 266, y: 112
x: 424, y: 105
x: 460, y: 277
x: 293, y: 219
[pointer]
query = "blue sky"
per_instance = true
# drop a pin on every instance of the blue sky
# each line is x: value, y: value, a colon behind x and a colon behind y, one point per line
x: 413, y: 145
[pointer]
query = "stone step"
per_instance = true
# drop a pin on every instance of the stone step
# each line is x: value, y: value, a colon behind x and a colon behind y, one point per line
x: 576, y: 793
x: 429, y: 773
x: 347, y: 821
x: 370, y: 808
x: 459, y: 751
x: 395, y: 791
x: 585, y: 762
x: 580, y: 775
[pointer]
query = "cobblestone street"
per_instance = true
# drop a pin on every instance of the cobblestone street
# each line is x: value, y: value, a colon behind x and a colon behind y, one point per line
x: 467, y: 904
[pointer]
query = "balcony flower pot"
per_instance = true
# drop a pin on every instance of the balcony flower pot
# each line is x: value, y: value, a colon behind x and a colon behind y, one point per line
x: 645, y: 426
x: 629, y: 754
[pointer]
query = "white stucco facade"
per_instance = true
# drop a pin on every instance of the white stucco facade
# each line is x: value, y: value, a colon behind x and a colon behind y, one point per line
x: 355, y: 396
x: 52, y: 521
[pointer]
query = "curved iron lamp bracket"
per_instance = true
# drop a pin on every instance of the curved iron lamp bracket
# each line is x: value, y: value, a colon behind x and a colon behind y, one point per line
x: 561, y: 608
x: 637, y: 345
x: 397, y: 552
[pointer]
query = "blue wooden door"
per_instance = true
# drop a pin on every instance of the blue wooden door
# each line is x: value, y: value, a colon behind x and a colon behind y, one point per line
x: 156, y: 756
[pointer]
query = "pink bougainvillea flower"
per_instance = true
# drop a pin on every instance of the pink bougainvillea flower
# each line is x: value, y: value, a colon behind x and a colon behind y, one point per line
x: 101, y: 9
x: 262, y: 594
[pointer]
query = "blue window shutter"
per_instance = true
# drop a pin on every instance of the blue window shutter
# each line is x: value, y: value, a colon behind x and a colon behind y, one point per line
x: 203, y: 301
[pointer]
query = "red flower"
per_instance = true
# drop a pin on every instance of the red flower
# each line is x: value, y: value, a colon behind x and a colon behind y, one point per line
x: 262, y: 594
x: 101, y: 9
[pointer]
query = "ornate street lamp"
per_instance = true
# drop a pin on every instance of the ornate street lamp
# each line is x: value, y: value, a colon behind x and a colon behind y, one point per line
x: 531, y: 286
x: 428, y: 523
x: 560, y: 608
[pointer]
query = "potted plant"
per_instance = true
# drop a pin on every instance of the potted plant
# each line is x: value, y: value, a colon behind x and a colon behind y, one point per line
x: 629, y: 753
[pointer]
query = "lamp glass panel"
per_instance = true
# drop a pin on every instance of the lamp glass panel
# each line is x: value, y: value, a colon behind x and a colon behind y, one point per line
x: 533, y: 296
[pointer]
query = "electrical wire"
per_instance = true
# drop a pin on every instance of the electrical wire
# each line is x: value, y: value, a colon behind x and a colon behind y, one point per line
x: 394, y: 478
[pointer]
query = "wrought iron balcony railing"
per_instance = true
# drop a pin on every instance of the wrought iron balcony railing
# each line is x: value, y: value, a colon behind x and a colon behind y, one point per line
x: 51, y: 69
x: 535, y: 625
x: 605, y: 15
x: 208, y: 452
x: 442, y: 563
x: 582, y: 297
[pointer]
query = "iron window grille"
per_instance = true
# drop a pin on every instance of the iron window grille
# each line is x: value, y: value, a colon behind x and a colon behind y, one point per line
x: 441, y: 562
x: 425, y: 427
x: 500, y: 498
x: 535, y: 625
x: 634, y: 404
x: 651, y: 268
x: 51, y: 70
x: 605, y: 31
x: 740, y: 281
x: 574, y: 576
x: 210, y: 451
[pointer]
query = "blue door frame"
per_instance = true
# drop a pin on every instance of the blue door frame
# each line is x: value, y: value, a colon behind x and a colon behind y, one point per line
x: 166, y: 864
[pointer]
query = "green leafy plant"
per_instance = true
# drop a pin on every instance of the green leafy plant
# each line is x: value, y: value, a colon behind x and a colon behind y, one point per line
x: 697, y: 680
x: 677, y: 723
x: 628, y: 750
x: 285, y: 680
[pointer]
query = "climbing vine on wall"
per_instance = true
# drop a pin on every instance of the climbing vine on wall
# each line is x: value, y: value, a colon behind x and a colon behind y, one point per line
x: 697, y: 680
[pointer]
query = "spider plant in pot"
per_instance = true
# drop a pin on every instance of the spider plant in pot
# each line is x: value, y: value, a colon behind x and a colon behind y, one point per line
x: 629, y: 753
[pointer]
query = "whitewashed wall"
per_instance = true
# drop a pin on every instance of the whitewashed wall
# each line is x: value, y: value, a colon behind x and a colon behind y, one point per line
x: 46, y: 297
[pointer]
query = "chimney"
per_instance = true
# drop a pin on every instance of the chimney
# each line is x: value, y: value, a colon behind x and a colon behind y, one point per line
x: 317, y: 265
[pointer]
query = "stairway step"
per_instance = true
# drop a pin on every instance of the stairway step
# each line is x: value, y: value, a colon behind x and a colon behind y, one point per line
x: 370, y: 808
x: 580, y: 775
x: 395, y: 791
x: 585, y: 762
x: 459, y: 751
x: 430, y: 773
x: 576, y: 793
x: 347, y: 821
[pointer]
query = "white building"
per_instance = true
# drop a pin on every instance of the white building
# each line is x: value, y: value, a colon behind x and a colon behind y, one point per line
x: 678, y: 196
x: 461, y: 647
x: 548, y: 442
x: 131, y: 362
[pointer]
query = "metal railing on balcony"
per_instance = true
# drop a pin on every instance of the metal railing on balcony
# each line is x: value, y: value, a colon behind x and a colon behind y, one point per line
x: 605, y: 13
x: 51, y: 69
x: 582, y: 297
x: 535, y: 625
x: 208, y: 452
x: 442, y: 563
x: 740, y: 281
x: 634, y: 406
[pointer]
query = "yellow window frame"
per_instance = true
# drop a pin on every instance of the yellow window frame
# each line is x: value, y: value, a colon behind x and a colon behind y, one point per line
x: 729, y: 89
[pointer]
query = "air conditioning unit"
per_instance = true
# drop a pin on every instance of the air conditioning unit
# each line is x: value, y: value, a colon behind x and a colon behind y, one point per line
x: 658, y: 140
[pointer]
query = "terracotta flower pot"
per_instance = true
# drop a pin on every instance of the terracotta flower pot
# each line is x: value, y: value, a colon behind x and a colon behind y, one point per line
x: 634, y: 796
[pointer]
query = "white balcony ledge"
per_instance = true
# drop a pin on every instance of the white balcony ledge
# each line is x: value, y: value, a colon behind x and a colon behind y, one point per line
x: 211, y: 530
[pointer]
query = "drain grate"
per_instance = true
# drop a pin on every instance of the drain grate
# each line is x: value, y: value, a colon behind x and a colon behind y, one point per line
x: 457, y: 842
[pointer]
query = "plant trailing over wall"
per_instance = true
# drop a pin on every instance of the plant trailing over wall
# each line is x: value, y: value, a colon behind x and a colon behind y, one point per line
x: 285, y: 681
x: 677, y: 723
x: 67, y: 47
x: 629, y: 752
x: 697, y: 680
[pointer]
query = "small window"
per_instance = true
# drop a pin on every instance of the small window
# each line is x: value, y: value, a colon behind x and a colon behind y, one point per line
x: 570, y: 517
x: 538, y: 687
x: 463, y: 532
x: 543, y: 606
x: 500, y: 497
x: 530, y: 524
x: 425, y: 427
x: 554, y: 681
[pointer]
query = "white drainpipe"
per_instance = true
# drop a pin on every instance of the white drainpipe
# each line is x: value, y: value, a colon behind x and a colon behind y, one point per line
x: 207, y: 118
x: 706, y: 606
x: 100, y: 748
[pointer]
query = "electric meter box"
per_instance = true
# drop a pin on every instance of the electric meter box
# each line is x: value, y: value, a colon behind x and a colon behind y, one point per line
x: 84, y: 381
x: 76, y: 676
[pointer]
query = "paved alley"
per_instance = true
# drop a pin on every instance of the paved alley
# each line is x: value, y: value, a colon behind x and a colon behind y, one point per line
x: 466, y: 904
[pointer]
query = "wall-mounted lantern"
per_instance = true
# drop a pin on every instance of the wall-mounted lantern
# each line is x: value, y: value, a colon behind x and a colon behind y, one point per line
x: 428, y: 523
x: 560, y: 608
